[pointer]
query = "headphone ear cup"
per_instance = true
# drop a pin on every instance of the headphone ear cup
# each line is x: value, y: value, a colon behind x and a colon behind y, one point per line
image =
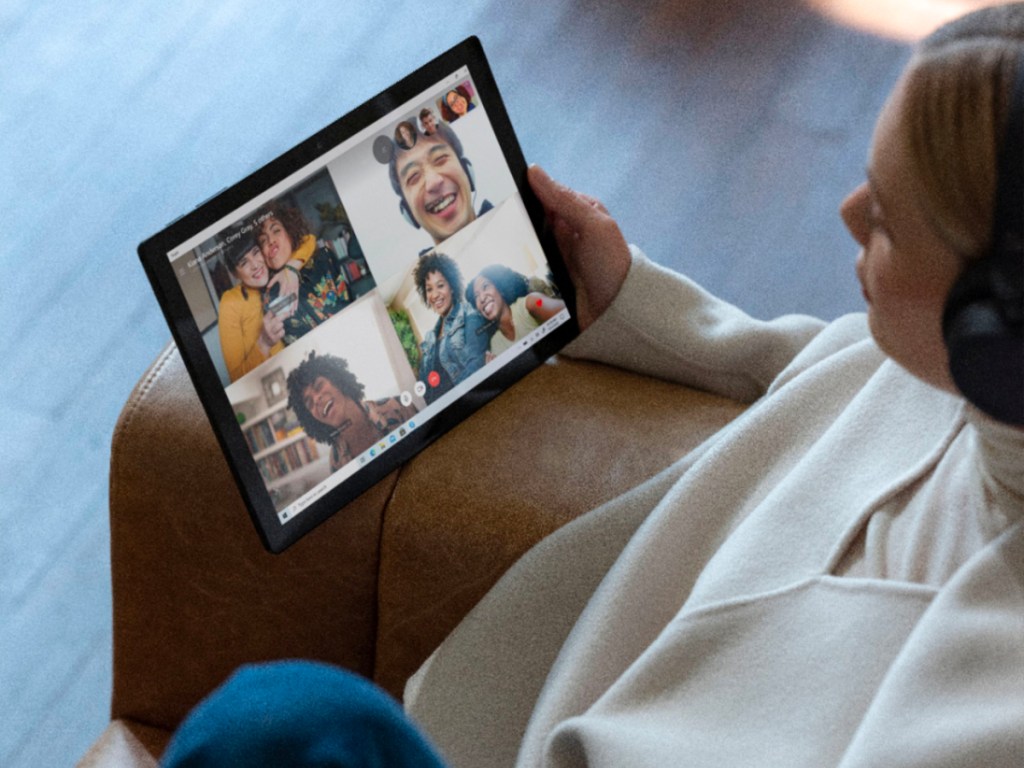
x: 986, y: 353
x: 403, y: 208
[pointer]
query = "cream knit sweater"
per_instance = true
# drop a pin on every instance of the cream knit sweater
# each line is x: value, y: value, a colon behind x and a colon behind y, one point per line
x: 836, y: 578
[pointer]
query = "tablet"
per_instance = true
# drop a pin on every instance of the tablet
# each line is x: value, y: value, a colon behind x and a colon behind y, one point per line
x: 348, y: 303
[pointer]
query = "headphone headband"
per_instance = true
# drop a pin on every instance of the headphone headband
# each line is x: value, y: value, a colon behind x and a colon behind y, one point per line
x: 1008, y: 222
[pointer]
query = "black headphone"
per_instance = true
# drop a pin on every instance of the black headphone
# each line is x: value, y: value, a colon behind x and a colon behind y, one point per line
x: 983, y: 322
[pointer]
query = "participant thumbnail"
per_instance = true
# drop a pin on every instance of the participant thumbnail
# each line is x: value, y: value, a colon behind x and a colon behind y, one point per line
x: 457, y: 102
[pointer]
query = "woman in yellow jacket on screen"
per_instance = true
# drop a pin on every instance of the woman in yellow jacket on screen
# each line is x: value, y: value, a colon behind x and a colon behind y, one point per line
x: 248, y: 335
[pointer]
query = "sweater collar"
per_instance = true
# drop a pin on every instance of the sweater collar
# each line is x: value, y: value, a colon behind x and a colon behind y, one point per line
x: 1001, y: 460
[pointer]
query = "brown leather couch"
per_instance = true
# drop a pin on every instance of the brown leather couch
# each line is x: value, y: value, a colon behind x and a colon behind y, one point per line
x: 377, y: 587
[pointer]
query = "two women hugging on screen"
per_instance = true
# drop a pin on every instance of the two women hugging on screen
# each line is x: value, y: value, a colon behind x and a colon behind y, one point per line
x: 476, y: 321
x: 287, y: 285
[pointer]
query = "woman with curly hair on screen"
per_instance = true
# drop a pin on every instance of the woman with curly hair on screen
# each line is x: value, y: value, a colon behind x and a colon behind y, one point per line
x: 504, y: 298
x: 328, y: 401
x: 455, y: 347
x: 313, y: 285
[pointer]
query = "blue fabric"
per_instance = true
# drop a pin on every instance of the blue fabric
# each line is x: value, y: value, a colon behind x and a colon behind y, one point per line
x: 301, y: 714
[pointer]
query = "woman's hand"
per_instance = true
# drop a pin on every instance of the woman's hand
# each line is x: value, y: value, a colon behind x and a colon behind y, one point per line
x: 288, y: 279
x: 594, y: 249
x: 271, y: 332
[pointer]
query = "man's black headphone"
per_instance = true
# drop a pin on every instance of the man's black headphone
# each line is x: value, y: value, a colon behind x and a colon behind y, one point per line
x: 983, y: 322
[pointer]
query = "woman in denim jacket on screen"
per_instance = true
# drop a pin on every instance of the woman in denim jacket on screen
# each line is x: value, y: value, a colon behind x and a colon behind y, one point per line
x: 456, y: 345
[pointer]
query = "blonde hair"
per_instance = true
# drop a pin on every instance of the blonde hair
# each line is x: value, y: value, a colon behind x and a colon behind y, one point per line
x: 957, y: 89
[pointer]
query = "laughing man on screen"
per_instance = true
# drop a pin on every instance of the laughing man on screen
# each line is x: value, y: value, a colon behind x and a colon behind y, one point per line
x: 435, y: 182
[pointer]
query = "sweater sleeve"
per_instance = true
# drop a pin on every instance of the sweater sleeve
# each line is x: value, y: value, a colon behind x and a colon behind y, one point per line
x: 305, y: 249
x: 663, y: 324
x: 239, y: 324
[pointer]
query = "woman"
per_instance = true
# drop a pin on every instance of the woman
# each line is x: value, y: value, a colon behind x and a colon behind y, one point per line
x: 405, y: 135
x: 248, y: 335
x: 327, y: 399
x: 313, y: 276
x: 503, y: 297
x: 457, y: 102
x: 456, y: 345
x: 837, y: 577
x: 250, y: 330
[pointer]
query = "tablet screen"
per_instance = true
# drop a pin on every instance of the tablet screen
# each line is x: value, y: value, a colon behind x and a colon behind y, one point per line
x: 348, y: 303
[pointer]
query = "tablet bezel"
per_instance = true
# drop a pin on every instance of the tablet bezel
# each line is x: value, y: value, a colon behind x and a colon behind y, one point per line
x: 153, y: 252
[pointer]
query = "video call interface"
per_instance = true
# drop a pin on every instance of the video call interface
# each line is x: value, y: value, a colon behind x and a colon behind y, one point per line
x: 344, y: 309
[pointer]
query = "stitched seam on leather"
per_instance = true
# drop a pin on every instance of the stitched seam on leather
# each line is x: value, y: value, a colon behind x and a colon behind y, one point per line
x: 140, y: 394
x: 380, y: 562
x: 123, y: 425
